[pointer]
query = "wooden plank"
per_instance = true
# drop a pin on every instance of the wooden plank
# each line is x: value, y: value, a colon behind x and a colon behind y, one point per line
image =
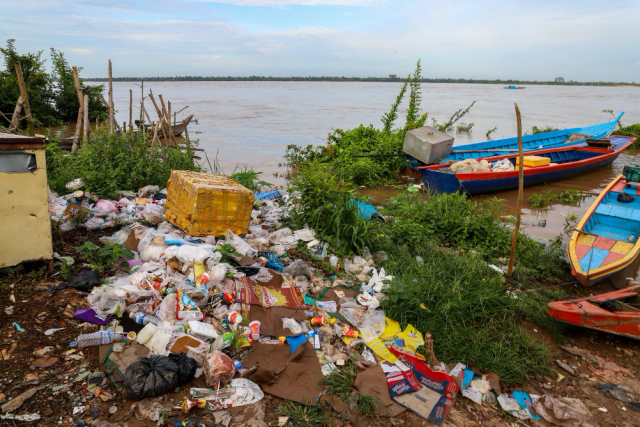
x: 25, y: 98
x: 87, y: 133
x: 78, y: 135
x: 15, y: 119
x: 516, y: 228
x: 112, y: 120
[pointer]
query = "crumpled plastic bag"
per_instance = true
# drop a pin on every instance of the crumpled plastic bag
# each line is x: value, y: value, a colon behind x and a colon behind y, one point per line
x: 298, y: 268
x: 372, y: 326
x: 263, y: 275
x: 470, y: 165
x: 283, y: 237
x: 167, y: 309
x: 152, y: 213
x: 292, y: 325
x: 564, y: 411
x: 106, y: 300
x: 186, y: 366
x: 503, y: 165
x: 153, y: 252
x: 94, y: 223
x: 189, y: 254
x: 305, y: 234
x: 154, y: 338
x: 241, y: 246
x: 151, y: 376
x: 148, y: 190
x: 218, y: 369
x: 105, y: 207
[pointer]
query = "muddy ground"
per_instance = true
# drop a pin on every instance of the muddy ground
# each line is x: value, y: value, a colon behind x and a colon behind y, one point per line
x: 64, y: 381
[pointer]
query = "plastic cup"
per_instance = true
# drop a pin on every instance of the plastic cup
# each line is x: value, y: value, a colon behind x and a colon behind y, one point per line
x: 235, y: 317
x: 319, y: 321
x: 255, y: 330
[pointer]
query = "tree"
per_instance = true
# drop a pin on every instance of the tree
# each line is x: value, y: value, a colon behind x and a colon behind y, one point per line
x: 66, y: 98
x: 38, y: 82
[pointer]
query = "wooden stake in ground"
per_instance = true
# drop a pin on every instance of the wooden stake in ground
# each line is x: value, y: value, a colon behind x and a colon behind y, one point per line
x: 161, y: 117
x: 77, y: 137
x: 15, y: 119
x: 106, y: 104
x: 516, y: 229
x: 112, y: 119
x: 25, y: 98
x: 87, y: 133
x: 130, y: 111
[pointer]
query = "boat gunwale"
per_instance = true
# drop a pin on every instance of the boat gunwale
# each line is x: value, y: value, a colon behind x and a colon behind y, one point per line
x: 597, y: 273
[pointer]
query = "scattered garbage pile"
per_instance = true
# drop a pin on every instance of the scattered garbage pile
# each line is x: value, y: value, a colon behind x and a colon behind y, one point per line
x: 251, y: 318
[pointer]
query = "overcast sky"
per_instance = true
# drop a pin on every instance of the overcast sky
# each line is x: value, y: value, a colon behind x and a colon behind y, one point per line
x: 521, y: 39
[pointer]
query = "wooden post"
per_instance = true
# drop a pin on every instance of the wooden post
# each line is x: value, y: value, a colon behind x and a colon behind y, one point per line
x: 161, y: 117
x: 169, y: 138
x: 106, y: 104
x: 169, y: 119
x: 112, y: 119
x: 15, y: 119
x: 130, y: 111
x: 97, y: 123
x: 141, y: 103
x: 25, y: 98
x: 185, y: 123
x: 77, y: 137
x: 516, y: 228
x: 87, y: 133
x: 154, y: 140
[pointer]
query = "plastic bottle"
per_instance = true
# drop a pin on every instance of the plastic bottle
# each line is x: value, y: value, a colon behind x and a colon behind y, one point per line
x: 144, y: 319
x: 97, y: 338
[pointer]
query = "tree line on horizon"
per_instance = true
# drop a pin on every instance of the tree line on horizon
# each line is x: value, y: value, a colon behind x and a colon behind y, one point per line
x: 358, y: 79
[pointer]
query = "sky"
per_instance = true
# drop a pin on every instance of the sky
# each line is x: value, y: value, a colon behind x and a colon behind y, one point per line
x: 583, y: 40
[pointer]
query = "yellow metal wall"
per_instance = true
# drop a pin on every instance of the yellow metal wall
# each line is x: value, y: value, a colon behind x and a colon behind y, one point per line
x: 25, y: 226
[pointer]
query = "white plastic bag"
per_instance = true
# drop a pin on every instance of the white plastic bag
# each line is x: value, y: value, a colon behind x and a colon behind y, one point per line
x: 188, y: 254
x: 152, y: 213
x: 503, y: 165
x: 241, y: 246
x: 292, y: 325
x: 104, y: 207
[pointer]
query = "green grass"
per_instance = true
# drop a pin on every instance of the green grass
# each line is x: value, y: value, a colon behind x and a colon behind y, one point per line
x: 467, y: 311
x: 114, y: 162
x: 632, y: 130
x: 366, y: 405
x: 546, y: 198
x: 340, y: 381
x: 303, y: 415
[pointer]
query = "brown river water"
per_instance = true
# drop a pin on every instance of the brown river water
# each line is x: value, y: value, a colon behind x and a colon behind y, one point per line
x: 251, y: 123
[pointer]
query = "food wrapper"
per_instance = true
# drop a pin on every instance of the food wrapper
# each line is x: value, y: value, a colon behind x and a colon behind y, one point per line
x: 186, y: 308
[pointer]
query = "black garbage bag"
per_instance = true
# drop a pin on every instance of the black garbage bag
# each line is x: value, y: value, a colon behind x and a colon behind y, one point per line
x: 625, y: 198
x: 186, y: 366
x: 151, y: 376
x: 85, y: 281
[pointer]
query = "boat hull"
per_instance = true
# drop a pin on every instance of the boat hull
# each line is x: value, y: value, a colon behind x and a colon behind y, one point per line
x: 489, y: 182
x: 588, y: 313
x: 605, y: 240
x: 554, y: 139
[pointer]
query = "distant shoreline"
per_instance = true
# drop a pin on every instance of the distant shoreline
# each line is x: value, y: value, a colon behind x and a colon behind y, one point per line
x: 352, y: 79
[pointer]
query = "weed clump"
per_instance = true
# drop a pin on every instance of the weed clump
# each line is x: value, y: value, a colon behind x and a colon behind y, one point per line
x: 111, y: 162
x: 546, y: 198
x: 632, y: 130
x: 303, y: 415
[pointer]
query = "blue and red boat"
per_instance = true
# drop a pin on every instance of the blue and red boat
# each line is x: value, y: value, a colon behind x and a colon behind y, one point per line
x: 565, y: 162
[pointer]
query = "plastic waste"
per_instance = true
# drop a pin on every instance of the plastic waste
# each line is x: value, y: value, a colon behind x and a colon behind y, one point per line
x: 292, y: 325
x: 190, y: 255
x: 218, y: 369
x: 144, y: 319
x: 151, y: 376
x: 202, y: 330
x: 241, y: 246
x: 298, y: 268
x: 104, y: 207
x: 152, y: 213
x: 98, y: 338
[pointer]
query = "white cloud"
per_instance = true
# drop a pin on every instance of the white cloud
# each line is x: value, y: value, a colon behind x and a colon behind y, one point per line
x: 81, y: 51
x: 297, y: 2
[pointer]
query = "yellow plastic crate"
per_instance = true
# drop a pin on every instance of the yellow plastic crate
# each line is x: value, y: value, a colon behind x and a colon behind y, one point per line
x: 202, y: 203
x: 534, y: 161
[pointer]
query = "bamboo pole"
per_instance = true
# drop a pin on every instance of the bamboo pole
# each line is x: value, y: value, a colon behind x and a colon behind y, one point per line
x: 516, y: 229
x: 77, y: 137
x: 167, y: 119
x: 130, y: 111
x: 112, y: 119
x: 154, y: 140
x: 161, y: 117
x: 185, y: 123
x: 106, y: 104
x: 25, y: 98
x: 141, y: 103
x: 87, y: 133
x: 15, y: 119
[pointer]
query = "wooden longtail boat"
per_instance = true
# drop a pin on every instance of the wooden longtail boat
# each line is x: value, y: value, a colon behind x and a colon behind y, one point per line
x: 616, y: 312
x: 565, y: 162
x: 606, y: 239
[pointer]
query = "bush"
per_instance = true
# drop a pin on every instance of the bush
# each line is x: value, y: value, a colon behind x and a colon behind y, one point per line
x: 112, y: 162
x: 632, y: 130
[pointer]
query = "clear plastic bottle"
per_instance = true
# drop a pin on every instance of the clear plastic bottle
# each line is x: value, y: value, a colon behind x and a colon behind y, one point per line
x: 97, y: 338
x: 144, y: 318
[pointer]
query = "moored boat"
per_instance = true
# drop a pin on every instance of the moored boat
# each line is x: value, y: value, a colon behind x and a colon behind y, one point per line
x: 616, y: 312
x: 557, y: 138
x: 606, y: 239
x: 563, y: 163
